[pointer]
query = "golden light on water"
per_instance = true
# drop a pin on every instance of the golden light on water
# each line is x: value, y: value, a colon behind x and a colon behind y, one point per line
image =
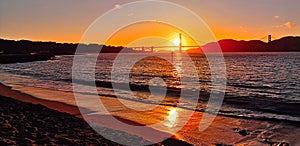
x: 172, y: 118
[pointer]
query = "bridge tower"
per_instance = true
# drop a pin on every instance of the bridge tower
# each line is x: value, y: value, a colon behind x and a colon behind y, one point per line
x: 180, y: 43
x: 269, y: 38
x: 143, y: 49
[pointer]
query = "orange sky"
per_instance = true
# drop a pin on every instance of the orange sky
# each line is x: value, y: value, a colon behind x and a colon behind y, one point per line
x: 155, y: 34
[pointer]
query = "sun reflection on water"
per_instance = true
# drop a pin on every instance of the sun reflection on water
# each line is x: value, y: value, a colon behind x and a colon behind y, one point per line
x: 172, y: 118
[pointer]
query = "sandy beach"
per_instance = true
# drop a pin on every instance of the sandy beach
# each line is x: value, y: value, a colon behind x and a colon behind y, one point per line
x: 27, y: 120
x: 26, y: 124
x: 22, y: 106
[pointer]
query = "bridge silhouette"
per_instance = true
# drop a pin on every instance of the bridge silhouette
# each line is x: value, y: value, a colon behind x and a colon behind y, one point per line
x: 151, y: 48
x: 180, y: 45
x: 270, y: 38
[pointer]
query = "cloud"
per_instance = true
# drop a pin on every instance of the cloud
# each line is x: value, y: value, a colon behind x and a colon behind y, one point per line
x: 243, y: 29
x: 276, y: 17
x: 130, y: 14
x: 118, y: 6
x: 277, y: 26
x: 289, y: 25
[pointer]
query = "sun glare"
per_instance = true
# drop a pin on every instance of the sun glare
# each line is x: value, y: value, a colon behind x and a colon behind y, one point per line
x: 176, y: 42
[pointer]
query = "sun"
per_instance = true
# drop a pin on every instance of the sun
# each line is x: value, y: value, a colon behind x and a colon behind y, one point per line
x: 176, y: 42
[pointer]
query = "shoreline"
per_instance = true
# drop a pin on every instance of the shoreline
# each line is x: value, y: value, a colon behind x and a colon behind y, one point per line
x: 7, y: 93
x: 73, y: 105
x: 232, y: 129
x: 258, y: 104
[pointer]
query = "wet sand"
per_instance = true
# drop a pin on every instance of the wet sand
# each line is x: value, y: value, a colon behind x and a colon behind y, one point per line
x: 27, y: 120
x: 224, y: 130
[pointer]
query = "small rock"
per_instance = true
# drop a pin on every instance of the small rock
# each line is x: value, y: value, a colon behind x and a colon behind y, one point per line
x: 44, y: 140
x: 173, y: 142
x: 25, y: 141
x: 283, y: 144
x: 8, y: 141
x: 64, y: 141
x: 243, y: 132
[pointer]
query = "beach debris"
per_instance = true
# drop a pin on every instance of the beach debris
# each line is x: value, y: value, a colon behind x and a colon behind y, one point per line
x: 278, y: 135
x: 174, y: 142
x: 283, y: 144
x: 241, y: 131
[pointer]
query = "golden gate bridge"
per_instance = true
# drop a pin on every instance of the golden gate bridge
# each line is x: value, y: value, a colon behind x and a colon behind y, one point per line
x: 180, y: 46
x: 151, y: 48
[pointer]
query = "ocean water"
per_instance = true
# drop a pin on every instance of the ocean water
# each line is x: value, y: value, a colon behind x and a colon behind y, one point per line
x: 259, y: 85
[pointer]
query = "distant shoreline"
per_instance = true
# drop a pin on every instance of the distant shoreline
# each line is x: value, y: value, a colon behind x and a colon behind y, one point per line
x: 285, y: 44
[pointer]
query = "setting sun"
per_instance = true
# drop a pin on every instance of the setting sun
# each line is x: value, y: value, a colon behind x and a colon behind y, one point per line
x: 176, y: 42
x: 137, y: 36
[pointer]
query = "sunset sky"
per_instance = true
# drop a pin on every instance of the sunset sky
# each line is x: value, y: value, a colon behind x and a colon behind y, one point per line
x: 66, y: 20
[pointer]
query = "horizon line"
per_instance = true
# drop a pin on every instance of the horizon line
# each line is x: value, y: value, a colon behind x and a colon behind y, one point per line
x: 93, y: 43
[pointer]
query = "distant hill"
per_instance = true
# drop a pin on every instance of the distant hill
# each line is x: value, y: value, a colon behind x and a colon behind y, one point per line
x: 285, y: 44
x: 29, y: 47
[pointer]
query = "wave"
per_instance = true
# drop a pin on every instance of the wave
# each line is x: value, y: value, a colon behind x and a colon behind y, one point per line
x: 261, y: 104
x: 133, y: 87
x: 257, y: 107
x: 250, y: 86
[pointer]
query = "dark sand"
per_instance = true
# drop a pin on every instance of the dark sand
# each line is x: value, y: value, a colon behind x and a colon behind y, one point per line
x: 25, y: 124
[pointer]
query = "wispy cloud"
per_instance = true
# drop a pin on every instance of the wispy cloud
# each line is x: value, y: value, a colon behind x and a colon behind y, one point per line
x: 130, y: 14
x: 118, y: 6
x: 289, y: 25
x: 277, y: 26
x: 276, y: 17
x: 243, y: 29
